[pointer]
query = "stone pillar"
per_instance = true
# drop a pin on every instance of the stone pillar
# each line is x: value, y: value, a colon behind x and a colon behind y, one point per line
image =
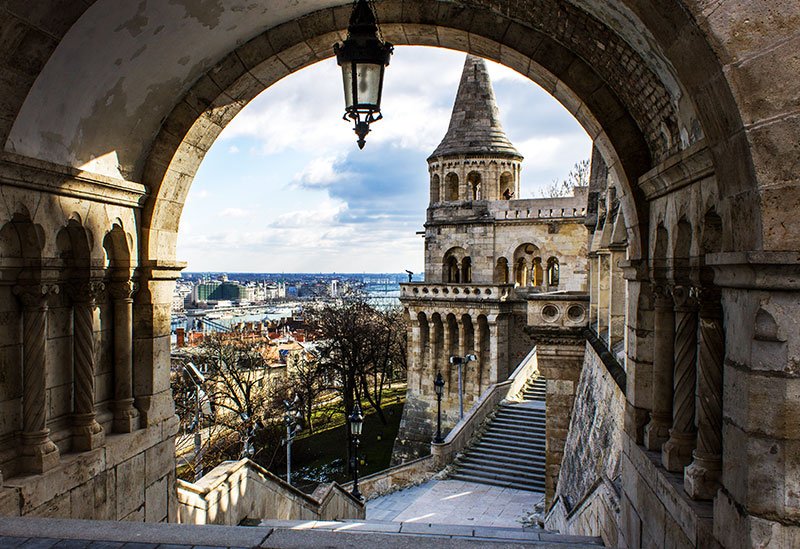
x: 677, y: 451
x: 560, y: 361
x: 656, y: 432
x: 603, y: 291
x: 617, y: 304
x: 702, y: 477
x: 87, y: 433
x: 414, y: 352
x: 478, y: 334
x: 445, y: 358
x: 39, y: 453
x: 126, y: 417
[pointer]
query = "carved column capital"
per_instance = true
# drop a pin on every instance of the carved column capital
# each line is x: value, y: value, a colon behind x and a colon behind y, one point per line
x: 685, y: 297
x: 121, y: 289
x: 85, y: 292
x: 662, y: 295
x: 34, y: 296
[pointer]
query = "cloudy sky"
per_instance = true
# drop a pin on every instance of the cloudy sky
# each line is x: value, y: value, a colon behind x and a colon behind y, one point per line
x: 286, y: 189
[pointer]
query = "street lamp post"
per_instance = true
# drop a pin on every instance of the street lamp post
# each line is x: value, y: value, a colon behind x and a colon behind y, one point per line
x: 356, y: 423
x: 438, y: 387
x: 291, y: 419
x: 461, y: 361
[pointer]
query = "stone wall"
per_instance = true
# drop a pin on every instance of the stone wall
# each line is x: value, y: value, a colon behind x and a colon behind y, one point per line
x: 236, y: 490
x: 594, y: 441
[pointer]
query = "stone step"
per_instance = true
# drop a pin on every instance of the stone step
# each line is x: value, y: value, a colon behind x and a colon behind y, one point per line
x: 513, y: 440
x: 499, y: 447
x: 528, y: 429
x: 530, y: 468
x: 499, y: 469
x: 506, y: 457
x: 499, y: 479
x: 518, y: 421
x: 521, y: 416
x: 519, y: 409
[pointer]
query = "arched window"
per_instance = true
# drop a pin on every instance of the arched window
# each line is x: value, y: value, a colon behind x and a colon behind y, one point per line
x: 506, y: 186
x: 435, y: 182
x: 452, y: 272
x: 521, y: 272
x: 537, y: 273
x: 552, y: 272
x: 501, y: 271
x: 451, y: 187
x: 466, y: 270
x: 474, y: 185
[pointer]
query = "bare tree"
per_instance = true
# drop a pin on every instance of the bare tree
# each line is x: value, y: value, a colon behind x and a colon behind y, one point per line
x: 578, y: 177
x: 307, y: 377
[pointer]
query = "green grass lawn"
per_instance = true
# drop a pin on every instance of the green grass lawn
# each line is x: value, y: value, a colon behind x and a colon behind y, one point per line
x: 322, y: 455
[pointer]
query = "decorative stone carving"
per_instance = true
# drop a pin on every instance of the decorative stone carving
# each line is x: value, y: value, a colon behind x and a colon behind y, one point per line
x: 126, y: 416
x: 88, y: 434
x: 39, y: 453
x: 656, y: 432
x: 677, y: 451
x: 702, y: 477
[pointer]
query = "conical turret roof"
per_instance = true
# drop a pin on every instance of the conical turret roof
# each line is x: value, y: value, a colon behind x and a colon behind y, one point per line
x: 475, y: 123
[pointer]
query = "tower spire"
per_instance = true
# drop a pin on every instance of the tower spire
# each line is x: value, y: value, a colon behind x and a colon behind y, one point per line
x: 475, y: 126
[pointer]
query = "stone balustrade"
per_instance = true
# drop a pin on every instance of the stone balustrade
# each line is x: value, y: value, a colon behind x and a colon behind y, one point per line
x: 451, y: 292
x: 558, y: 310
x: 540, y: 213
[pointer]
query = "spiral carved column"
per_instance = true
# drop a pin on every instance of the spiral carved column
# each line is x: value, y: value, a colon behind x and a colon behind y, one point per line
x: 445, y: 358
x: 87, y: 434
x: 677, y: 452
x: 39, y: 453
x: 702, y: 477
x: 126, y: 417
x: 479, y: 354
x: 656, y: 432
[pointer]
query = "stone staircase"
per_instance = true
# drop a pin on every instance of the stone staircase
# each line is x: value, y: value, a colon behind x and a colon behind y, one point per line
x: 535, y: 389
x: 511, y: 452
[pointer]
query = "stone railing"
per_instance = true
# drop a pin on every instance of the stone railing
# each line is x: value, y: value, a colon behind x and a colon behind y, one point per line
x: 451, y: 292
x: 465, y: 430
x: 236, y: 490
x: 597, y: 514
x: 395, y: 478
x: 558, y: 310
x: 541, y: 213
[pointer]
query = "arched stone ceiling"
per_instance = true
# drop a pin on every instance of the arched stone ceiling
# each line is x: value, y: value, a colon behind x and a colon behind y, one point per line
x: 90, y: 103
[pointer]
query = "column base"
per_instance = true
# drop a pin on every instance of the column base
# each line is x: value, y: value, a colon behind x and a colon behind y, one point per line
x: 87, y: 433
x: 126, y: 417
x: 701, y: 479
x: 656, y: 433
x: 677, y: 451
x: 39, y: 453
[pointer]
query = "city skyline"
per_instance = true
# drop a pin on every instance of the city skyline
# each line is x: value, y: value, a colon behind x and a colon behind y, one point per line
x: 299, y: 197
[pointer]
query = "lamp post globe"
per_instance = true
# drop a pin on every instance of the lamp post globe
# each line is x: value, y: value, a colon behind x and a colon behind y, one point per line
x: 363, y: 57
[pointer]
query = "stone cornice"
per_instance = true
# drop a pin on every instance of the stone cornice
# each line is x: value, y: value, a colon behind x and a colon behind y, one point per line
x: 678, y: 171
x: 756, y: 270
x: 37, y: 175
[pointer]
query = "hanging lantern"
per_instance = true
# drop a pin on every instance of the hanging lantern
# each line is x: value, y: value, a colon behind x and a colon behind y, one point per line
x: 363, y: 57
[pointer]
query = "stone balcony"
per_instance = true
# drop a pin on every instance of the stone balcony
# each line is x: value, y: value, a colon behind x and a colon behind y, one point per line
x: 566, y: 311
x: 456, y: 292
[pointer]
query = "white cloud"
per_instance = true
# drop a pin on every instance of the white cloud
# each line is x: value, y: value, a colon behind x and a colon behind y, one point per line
x: 233, y: 149
x: 235, y: 213
x: 320, y: 173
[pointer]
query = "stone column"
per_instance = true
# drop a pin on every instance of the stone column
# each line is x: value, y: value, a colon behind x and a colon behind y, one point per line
x: 39, y: 453
x: 677, y: 451
x: 87, y: 433
x: 126, y: 416
x: 656, y: 432
x: 445, y: 358
x: 702, y: 477
x: 478, y: 334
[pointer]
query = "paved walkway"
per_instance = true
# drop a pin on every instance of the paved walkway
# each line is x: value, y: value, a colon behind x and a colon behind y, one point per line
x: 455, y: 502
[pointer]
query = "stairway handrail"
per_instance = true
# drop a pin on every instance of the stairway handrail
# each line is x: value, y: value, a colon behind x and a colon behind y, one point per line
x: 460, y: 436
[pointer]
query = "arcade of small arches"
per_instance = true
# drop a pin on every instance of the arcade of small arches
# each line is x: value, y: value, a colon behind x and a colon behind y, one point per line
x: 681, y: 103
x: 473, y: 179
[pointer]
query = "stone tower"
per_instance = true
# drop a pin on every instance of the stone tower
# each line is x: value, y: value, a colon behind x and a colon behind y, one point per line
x: 487, y: 255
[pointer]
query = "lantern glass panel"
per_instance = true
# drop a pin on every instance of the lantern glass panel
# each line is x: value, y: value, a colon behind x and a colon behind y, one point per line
x: 368, y: 77
x: 347, y: 78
